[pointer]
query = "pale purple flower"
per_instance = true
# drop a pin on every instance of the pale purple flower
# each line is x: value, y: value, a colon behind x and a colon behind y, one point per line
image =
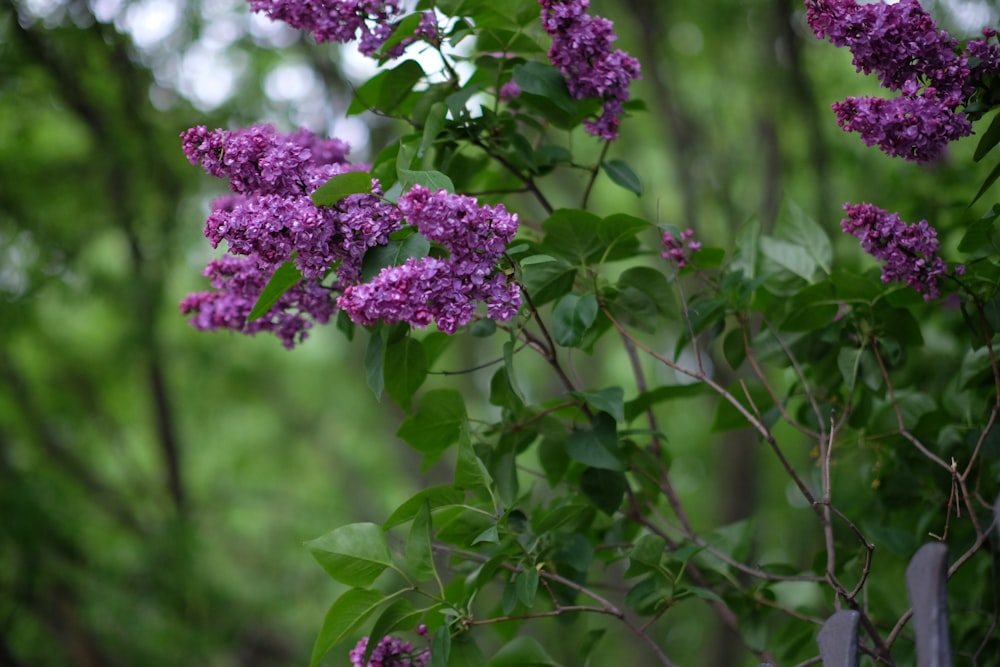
x: 369, y: 21
x: 581, y: 50
x: 909, y: 251
x: 680, y: 249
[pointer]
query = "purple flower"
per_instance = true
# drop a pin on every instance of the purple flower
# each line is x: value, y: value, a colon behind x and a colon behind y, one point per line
x: 445, y: 291
x: 271, y: 219
x: 238, y: 282
x: 909, y: 251
x: 389, y: 652
x: 901, y: 44
x: 680, y: 250
x: 336, y: 20
x: 509, y: 90
x: 581, y: 50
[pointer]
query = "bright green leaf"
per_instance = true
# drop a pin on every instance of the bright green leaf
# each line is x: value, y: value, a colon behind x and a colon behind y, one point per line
x: 435, y: 497
x: 610, y: 400
x: 598, y: 446
x: 405, y: 369
x: 342, y: 185
x: 283, y: 279
x: 355, y: 554
x: 437, y: 423
x: 419, y: 554
x: 345, y: 615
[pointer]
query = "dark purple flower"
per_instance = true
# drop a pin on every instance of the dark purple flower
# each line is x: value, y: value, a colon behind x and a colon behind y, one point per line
x: 581, y: 50
x: 447, y: 290
x: 272, y: 219
x: 238, y: 282
x: 909, y: 251
x: 901, y: 44
x: 509, y: 90
x: 389, y: 652
x: 369, y: 21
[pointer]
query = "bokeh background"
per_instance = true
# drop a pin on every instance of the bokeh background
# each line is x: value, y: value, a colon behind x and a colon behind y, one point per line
x: 156, y: 483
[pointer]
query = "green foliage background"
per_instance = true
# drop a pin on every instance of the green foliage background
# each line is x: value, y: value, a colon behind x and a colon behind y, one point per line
x: 156, y: 484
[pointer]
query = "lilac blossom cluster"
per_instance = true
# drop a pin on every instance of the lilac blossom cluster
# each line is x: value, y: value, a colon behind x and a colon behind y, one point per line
x: 909, y: 251
x: 581, y: 50
x: 390, y: 652
x: 680, y: 249
x: 270, y: 219
x: 443, y: 290
x: 901, y: 44
x: 368, y: 21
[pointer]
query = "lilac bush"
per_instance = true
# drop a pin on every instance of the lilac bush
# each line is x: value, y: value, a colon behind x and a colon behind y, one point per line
x: 563, y: 499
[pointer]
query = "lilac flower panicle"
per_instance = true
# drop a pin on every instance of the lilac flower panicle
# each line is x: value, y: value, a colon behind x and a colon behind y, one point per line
x: 239, y: 282
x: 679, y: 250
x: 581, y: 50
x: 909, y: 251
x: 270, y: 219
x: 369, y: 21
x: 445, y: 291
x: 901, y: 44
x: 389, y: 652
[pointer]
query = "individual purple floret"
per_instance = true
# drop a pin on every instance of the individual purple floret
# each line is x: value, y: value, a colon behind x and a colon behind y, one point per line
x: 509, y: 90
x: 909, y: 251
x: 239, y: 282
x: 447, y: 290
x: 369, y: 21
x: 581, y: 50
x: 389, y: 652
x: 680, y: 250
x: 901, y: 44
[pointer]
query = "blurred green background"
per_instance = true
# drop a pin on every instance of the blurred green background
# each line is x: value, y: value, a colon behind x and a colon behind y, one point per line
x: 156, y: 484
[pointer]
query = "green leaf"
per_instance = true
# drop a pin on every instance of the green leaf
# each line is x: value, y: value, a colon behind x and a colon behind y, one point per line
x: 597, y: 447
x: 403, y: 30
x: 548, y: 281
x: 385, y: 91
x: 795, y: 226
x: 990, y: 180
x: 522, y: 652
x: 989, y: 140
x: 441, y: 647
x: 470, y: 471
x: 645, y: 400
x: 405, y: 369
x: 432, y: 180
x: 346, y: 614
x: 355, y: 554
x: 283, y: 279
x: 393, y: 253
x: 374, y: 355
x: 526, y: 585
x: 646, y: 555
x: 508, y: 366
x: 571, y: 317
x: 610, y: 400
x: 342, y: 185
x: 433, y: 125
x: 400, y: 615
x: 545, y: 81
x: 419, y: 555
x: 604, y: 488
x: 573, y: 235
x: 618, y: 235
x: 437, y: 423
x: 435, y: 497
x: 465, y: 652
x: 622, y: 175
x: 789, y: 256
